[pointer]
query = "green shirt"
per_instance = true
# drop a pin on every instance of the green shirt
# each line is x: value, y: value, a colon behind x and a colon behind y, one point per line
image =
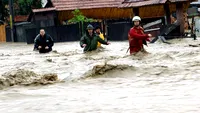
x: 91, y: 42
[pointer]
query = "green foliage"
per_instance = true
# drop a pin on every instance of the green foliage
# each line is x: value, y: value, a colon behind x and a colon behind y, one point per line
x: 79, y: 17
x: 3, y: 10
x: 21, y: 7
x: 24, y: 7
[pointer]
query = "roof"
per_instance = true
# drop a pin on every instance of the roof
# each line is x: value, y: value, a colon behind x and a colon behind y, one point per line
x: 109, y: 8
x: 84, y: 4
x: 20, y: 18
x: 44, y: 9
x: 139, y: 3
x: 64, y: 5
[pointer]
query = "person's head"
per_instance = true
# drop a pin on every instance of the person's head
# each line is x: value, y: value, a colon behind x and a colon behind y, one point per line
x: 90, y: 29
x: 173, y: 17
x: 98, y: 29
x: 42, y: 32
x: 136, y: 20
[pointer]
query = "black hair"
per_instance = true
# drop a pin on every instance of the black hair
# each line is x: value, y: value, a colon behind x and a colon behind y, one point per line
x: 97, y: 27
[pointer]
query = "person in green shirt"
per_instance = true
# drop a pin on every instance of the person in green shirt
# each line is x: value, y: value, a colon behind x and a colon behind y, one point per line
x: 90, y: 40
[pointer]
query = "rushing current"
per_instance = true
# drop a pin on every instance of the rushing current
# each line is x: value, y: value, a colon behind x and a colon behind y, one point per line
x: 167, y: 80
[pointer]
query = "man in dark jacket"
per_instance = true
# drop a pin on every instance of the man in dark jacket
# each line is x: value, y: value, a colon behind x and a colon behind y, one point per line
x: 90, y: 40
x: 43, y: 42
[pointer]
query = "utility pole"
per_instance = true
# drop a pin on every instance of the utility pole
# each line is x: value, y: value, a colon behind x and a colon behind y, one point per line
x: 11, y: 14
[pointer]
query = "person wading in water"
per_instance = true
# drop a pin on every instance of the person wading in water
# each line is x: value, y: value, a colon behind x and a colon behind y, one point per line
x: 137, y: 37
x: 98, y: 32
x: 90, y: 40
x: 43, y: 42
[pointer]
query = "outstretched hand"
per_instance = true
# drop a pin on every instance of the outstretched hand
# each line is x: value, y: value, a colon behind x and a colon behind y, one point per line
x: 108, y: 43
x: 84, y: 45
x: 149, y: 35
x: 46, y: 47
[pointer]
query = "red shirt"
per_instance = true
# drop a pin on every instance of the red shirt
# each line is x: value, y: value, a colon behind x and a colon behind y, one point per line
x: 136, y: 38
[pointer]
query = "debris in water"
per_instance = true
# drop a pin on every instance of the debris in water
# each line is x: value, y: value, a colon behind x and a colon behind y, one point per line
x: 194, y: 45
x: 55, y: 51
x: 102, y: 69
x: 49, y: 60
x: 25, y: 77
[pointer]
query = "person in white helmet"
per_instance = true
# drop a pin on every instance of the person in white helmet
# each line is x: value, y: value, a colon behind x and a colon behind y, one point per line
x: 137, y: 36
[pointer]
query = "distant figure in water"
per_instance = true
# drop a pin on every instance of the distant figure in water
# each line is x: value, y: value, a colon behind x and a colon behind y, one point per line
x: 90, y: 40
x: 98, y: 32
x: 137, y: 37
x: 43, y: 42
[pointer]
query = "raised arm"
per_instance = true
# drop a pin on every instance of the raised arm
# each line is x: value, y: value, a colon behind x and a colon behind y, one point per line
x: 133, y: 33
x: 101, y: 41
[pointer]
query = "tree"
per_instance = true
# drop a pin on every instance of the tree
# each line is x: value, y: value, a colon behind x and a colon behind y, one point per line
x: 21, y: 7
x: 3, y: 10
x: 24, y: 7
x: 79, y: 18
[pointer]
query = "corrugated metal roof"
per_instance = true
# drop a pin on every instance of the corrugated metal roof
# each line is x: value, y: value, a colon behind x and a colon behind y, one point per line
x: 61, y: 5
x: 139, y: 3
x: 44, y: 9
x: 84, y: 4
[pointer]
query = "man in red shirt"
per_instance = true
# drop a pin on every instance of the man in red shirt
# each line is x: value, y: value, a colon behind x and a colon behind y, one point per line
x: 137, y: 37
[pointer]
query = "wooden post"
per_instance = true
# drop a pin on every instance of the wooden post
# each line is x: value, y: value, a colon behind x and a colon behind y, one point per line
x: 2, y: 33
x: 81, y: 28
x: 102, y: 26
x: 136, y: 11
x: 105, y: 30
x: 180, y: 17
x: 192, y: 29
x: 55, y: 16
x: 34, y: 18
x: 167, y: 13
x: 11, y: 12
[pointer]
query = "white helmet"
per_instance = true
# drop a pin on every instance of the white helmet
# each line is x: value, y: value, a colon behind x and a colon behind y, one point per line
x: 136, y: 18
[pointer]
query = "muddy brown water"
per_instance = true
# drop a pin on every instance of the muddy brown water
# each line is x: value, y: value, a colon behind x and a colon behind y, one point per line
x: 105, y: 81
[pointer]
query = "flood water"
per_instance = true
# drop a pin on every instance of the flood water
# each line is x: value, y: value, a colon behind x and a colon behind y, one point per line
x: 105, y: 81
